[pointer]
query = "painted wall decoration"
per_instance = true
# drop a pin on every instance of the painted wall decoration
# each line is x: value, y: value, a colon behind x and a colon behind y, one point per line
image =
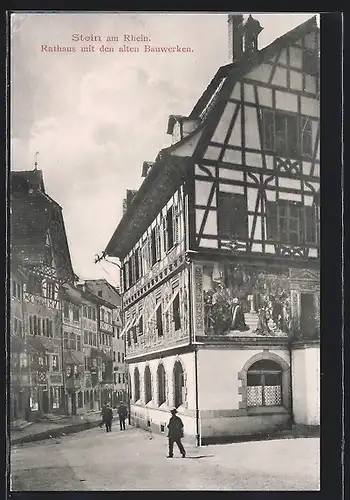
x: 160, y: 318
x: 243, y: 300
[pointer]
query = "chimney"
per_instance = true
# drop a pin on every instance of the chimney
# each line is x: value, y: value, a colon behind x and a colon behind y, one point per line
x: 252, y: 29
x: 235, y: 36
x: 146, y: 167
x: 243, y: 36
x: 130, y: 194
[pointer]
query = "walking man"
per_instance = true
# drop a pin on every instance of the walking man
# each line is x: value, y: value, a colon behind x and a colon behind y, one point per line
x: 122, y: 412
x: 109, y: 418
x: 103, y: 415
x: 175, y: 433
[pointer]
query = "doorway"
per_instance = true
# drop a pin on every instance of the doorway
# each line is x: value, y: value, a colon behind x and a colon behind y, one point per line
x: 46, y: 405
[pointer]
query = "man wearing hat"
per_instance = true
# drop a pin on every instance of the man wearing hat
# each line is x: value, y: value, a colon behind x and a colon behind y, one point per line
x: 237, y: 321
x: 175, y: 433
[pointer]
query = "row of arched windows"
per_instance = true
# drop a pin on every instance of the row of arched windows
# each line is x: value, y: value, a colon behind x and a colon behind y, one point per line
x: 263, y: 384
x: 178, y: 381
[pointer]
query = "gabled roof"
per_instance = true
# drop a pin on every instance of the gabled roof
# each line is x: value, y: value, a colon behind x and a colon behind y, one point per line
x: 169, y: 168
x: 89, y: 294
x: 91, y: 284
x: 250, y: 61
x: 33, y: 215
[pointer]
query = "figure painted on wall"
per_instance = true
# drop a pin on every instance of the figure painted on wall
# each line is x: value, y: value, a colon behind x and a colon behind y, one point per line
x: 238, y: 321
x: 263, y: 317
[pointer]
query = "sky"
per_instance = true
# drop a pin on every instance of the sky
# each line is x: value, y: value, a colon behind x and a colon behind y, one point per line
x: 95, y: 117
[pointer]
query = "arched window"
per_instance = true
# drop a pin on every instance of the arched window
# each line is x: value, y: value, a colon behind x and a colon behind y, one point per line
x: 148, y: 385
x: 179, y: 384
x: 161, y: 384
x: 264, y: 384
x: 137, y: 384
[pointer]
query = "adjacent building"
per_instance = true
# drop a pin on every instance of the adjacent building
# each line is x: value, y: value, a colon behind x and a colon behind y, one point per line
x: 62, y: 336
x: 219, y: 250
x: 111, y: 329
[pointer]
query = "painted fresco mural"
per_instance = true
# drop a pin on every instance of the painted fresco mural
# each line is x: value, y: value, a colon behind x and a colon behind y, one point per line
x: 241, y: 300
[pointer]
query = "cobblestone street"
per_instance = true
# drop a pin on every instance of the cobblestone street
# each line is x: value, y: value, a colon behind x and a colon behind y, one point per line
x: 136, y: 460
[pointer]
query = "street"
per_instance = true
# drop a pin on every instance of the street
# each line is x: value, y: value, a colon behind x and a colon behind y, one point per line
x: 136, y: 460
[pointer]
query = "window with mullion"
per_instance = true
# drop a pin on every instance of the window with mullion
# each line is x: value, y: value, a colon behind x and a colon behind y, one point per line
x: 306, y: 136
x: 290, y: 222
x: 281, y: 133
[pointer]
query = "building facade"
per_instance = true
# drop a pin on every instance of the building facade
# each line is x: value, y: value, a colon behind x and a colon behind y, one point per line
x: 19, y: 386
x: 39, y: 240
x: 220, y: 250
x: 110, y: 329
x: 64, y: 337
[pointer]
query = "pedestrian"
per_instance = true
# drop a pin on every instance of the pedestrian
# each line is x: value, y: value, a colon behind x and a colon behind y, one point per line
x: 175, y: 433
x: 103, y: 415
x: 109, y: 418
x: 123, y: 413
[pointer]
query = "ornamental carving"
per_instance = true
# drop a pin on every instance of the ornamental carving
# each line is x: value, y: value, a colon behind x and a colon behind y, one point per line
x: 198, y: 279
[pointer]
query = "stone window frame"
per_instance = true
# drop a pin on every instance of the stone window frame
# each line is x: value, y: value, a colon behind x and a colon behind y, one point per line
x: 138, y: 385
x: 184, y: 403
x: 161, y: 364
x: 150, y: 387
x: 286, y: 388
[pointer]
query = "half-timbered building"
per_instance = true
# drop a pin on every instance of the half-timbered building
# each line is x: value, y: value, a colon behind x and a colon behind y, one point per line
x: 39, y: 240
x: 220, y: 250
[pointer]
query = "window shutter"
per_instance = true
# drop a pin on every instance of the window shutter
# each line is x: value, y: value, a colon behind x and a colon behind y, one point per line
x: 159, y: 321
x: 140, y: 262
x: 158, y: 243
x: 137, y: 268
x: 233, y: 216
x: 153, y: 246
x: 170, y: 233
x: 225, y: 214
x: 130, y: 271
x: 176, y: 224
x: 307, y: 136
x: 311, y: 62
x: 272, y: 233
x: 268, y: 130
x: 164, y: 231
x: 176, y: 312
x: 141, y: 326
x: 125, y: 275
x: 310, y: 214
x: 149, y: 251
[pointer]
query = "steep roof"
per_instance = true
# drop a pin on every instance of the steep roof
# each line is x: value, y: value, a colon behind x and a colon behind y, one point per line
x: 33, y: 215
x: 100, y: 283
x: 168, y: 170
